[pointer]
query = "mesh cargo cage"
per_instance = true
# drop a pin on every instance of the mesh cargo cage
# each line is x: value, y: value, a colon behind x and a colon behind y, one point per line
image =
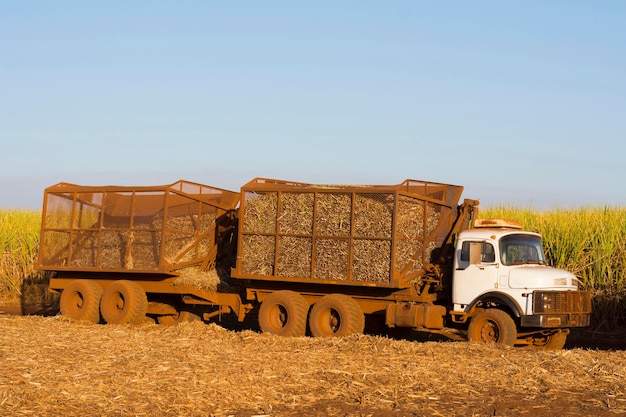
x: 380, y: 235
x: 157, y: 229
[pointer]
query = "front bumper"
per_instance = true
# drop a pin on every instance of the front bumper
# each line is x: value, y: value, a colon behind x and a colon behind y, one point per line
x: 556, y: 320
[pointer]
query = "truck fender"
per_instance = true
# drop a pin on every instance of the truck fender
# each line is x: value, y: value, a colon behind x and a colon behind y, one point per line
x: 497, y: 298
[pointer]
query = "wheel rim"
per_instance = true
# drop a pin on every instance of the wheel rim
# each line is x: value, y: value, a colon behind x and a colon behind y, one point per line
x: 490, y: 332
x: 119, y: 301
x: 334, y: 320
x: 78, y: 301
x: 279, y: 316
x: 330, y: 321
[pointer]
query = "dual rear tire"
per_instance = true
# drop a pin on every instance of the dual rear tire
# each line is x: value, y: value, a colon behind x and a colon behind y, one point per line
x: 285, y: 313
x: 336, y: 315
x: 122, y: 302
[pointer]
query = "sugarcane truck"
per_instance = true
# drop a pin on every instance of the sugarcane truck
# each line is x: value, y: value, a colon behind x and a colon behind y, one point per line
x: 305, y: 259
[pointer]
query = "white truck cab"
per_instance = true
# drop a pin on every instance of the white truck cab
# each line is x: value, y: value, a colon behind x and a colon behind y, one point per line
x: 499, y: 266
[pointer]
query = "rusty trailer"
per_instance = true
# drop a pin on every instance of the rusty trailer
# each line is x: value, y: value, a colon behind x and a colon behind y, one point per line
x: 142, y: 240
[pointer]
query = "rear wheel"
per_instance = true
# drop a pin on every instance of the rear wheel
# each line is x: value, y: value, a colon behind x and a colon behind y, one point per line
x: 81, y: 300
x: 336, y: 315
x: 124, y: 302
x: 492, y: 326
x: 284, y: 313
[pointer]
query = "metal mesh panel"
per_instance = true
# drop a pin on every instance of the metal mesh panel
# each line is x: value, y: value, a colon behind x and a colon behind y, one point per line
x: 145, y: 247
x: 85, y: 249
x: 331, y: 259
x: 334, y: 214
x: 447, y: 193
x: 296, y: 213
x: 373, y: 215
x: 261, y: 254
x: 117, y: 212
x: 56, y: 250
x: 124, y: 228
x: 179, y: 247
x: 113, y: 249
x: 260, y: 212
x: 415, y: 221
x: 294, y: 256
x: 88, y: 210
x: 371, y: 260
x: 58, y: 211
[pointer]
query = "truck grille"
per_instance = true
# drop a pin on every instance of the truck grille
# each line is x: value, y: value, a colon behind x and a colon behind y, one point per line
x: 561, y: 302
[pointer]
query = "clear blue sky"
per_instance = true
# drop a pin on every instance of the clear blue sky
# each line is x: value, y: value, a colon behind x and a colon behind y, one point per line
x: 523, y: 103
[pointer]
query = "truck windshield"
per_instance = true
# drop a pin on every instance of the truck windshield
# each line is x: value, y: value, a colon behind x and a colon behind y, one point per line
x: 521, y: 249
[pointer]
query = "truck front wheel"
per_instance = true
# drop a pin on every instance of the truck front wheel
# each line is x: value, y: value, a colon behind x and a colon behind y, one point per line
x: 284, y: 313
x: 492, y: 326
x: 81, y: 300
x: 124, y: 302
x: 336, y: 315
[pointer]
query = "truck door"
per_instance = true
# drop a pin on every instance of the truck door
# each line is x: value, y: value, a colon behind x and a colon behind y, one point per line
x: 475, y: 271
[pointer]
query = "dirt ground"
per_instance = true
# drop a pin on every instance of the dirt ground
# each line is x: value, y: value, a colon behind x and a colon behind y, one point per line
x: 53, y: 366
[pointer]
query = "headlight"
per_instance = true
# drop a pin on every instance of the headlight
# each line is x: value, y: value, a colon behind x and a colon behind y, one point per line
x: 543, y: 302
x: 547, y: 302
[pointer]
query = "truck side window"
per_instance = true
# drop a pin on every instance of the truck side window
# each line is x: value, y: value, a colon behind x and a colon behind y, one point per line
x: 465, y: 252
x: 476, y: 253
x: 488, y: 254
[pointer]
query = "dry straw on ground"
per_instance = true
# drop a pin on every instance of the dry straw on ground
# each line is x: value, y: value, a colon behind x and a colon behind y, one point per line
x: 51, y: 367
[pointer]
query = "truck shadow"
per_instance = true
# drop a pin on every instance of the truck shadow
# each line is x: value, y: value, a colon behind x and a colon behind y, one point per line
x: 596, y: 339
x: 35, y: 298
x: 578, y: 339
x: 591, y: 339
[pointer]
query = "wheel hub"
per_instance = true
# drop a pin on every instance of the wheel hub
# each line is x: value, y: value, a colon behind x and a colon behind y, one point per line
x: 489, y: 332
